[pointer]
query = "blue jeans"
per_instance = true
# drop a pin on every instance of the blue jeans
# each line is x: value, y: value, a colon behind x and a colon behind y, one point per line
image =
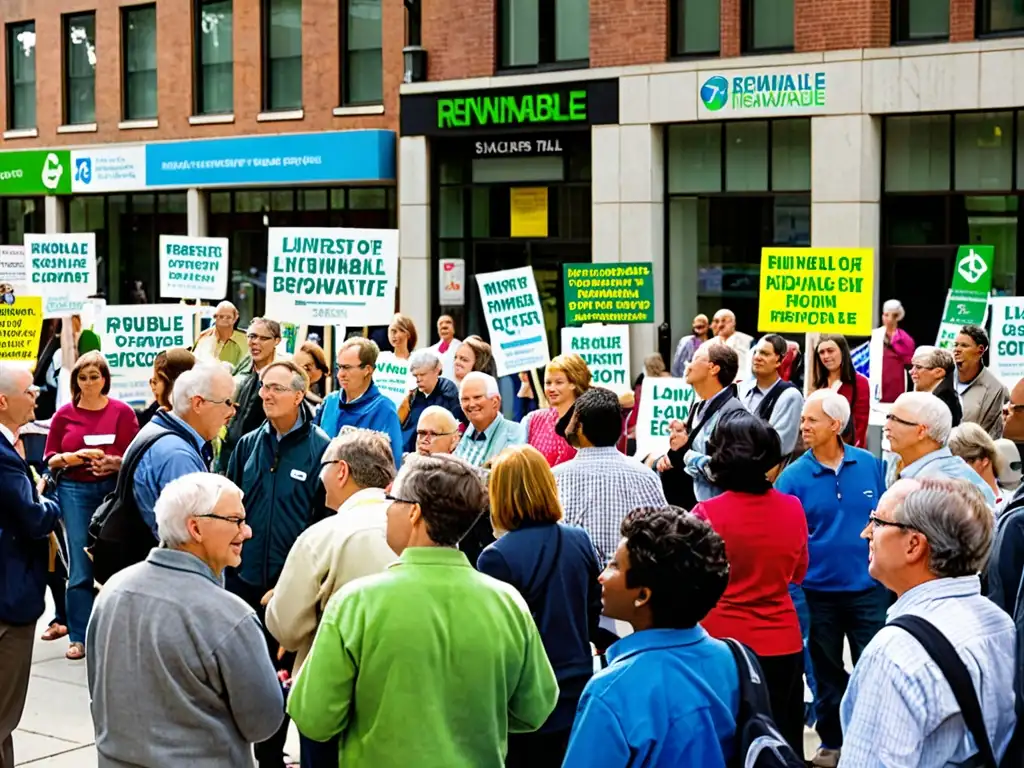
x: 78, y: 502
x: 803, y: 614
x: 318, y: 754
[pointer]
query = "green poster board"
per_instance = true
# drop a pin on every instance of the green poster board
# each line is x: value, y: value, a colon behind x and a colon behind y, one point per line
x: 608, y: 293
x: 967, y: 300
x: 35, y: 172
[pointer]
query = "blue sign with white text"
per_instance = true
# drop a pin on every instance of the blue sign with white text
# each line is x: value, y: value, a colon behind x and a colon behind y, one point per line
x: 362, y: 155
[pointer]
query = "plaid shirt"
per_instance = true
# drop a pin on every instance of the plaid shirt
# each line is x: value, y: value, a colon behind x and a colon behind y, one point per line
x: 599, y: 487
x: 496, y: 438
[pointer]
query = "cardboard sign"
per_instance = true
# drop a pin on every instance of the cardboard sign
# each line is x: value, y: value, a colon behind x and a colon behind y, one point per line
x: 193, y: 267
x: 608, y: 293
x: 61, y: 269
x: 12, y: 266
x: 332, y: 276
x: 662, y: 400
x: 21, y: 323
x: 605, y: 348
x: 817, y: 290
x: 393, y: 377
x: 1007, y: 354
x: 132, y: 335
x: 512, y: 309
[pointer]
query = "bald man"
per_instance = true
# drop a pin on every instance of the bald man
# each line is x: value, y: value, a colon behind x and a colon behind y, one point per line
x: 221, y: 341
x: 738, y: 342
x: 689, y: 344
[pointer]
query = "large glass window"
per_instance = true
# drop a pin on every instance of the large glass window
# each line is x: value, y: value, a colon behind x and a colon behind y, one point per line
x: 20, y: 215
x: 80, y: 68
x: 215, y: 68
x: 917, y: 153
x: 21, y: 75
x: 282, y: 54
x: 767, y: 25
x: 362, y: 70
x: 543, y: 32
x: 920, y: 20
x: 138, y: 35
x: 696, y: 29
x: 984, y: 151
x: 1000, y: 16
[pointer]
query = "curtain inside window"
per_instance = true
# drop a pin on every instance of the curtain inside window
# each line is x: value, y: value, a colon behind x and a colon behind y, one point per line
x: 80, y: 49
x: 21, y: 42
x: 140, y: 63
x: 217, y: 57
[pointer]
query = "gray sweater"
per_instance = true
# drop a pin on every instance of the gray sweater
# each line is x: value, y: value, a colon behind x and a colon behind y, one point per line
x: 179, y: 672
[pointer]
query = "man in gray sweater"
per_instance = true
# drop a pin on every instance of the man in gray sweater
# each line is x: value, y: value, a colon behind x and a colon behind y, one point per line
x: 180, y: 673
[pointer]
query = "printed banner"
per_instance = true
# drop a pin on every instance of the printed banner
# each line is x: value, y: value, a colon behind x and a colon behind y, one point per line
x: 193, y: 267
x: 132, y: 335
x: 21, y: 323
x: 967, y: 300
x: 1007, y: 355
x: 393, y: 377
x: 13, y: 272
x: 817, y: 290
x: 861, y: 358
x: 662, y: 401
x: 135, y: 392
x: 606, y: 350
x: 608, y: 293
x: 512, y: 309
x: 61, y: 269
x: 328, y: 276
x: 451, y: 280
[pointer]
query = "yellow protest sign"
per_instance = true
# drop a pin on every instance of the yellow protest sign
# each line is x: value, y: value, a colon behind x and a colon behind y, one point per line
x: 21, y: 322
x: 817, y: 290
x: 529, y: 211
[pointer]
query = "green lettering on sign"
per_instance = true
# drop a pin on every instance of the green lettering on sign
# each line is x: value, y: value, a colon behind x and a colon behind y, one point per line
x: 608, y: 293
x: 528, y: 109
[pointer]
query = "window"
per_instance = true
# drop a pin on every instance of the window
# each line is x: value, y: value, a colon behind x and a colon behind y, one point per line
x: 917, y: 153
x: 695, y: 28
x: 767, y: 26
x: 21, y: 75
x: 363, y: 67
x: 543, y: 32
x: 919, y: 20
x: 80, y: 68
x: 282, y: 55
x: 214, y: 66
x: 138, y: 40
x: 1000, y: 16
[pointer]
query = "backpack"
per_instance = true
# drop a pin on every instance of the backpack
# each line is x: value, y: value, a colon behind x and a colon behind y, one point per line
x: 758, y: 742
x: 118, y: 536
x: 766, y: 408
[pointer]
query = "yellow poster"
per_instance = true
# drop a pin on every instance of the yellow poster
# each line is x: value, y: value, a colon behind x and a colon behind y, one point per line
x: 817, y: 290
x: 529, y: 211
x: 21, y: 322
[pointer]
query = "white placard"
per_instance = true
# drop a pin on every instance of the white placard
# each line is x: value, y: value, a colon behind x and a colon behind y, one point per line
x: 61, y: 269
x: 327, y: 276
x: 1007, y: 355
x: 193, y: 267
x: 451, y: 281
x: 132, y: 335
x: 605, y: 348
x: 12, y: 267
x: 512, y: 309
x: 393, y: 377
x: 662, y: 400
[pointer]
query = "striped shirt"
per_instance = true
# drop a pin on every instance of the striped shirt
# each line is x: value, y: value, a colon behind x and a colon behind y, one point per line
x: 900, y: 711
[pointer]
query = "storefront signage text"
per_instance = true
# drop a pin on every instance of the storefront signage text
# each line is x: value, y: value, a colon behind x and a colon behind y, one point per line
x: 35, y: 172
x: 778, y: 90
x: 504, y: 148
x: 608, y: 293
x: 468, y: 111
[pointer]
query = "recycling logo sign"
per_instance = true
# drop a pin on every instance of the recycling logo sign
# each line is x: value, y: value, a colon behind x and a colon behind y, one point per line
x: 972, y: 267
x: 967, y: 300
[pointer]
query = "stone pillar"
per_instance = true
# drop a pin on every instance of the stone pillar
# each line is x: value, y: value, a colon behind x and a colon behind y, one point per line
x: 197, y: 203
x: 54, y: 214
x: 415, y: 279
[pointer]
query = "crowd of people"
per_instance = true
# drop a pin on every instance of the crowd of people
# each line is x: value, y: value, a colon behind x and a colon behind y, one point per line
x: 449, y: 581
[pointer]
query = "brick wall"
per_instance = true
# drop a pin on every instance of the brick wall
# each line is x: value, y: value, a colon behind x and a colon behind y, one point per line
x: 961, y: 20
x: 459, y: 36
x: 624, y: 32
x: 730, y: 14
x: 826, y: 25
x: 321, y: 71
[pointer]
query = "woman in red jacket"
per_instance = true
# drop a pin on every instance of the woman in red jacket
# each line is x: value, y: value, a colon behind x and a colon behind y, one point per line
x: 765, y: 534
x: 833, y: 369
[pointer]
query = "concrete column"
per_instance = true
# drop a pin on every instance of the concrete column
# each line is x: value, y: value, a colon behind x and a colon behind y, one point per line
x: 416, y: 282
x: 54, y: 214
x: 197, y: 202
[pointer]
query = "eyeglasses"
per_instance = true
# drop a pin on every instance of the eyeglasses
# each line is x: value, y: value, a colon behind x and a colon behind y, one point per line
x: 395, y: 499
x: 898, y: 420
x: 426, y: 434
x: 32, y: 390
x: 238, y: 521
x: 226, y: 401
x: 277, y: 389
x: 877, y: 522
x: 258, y: 337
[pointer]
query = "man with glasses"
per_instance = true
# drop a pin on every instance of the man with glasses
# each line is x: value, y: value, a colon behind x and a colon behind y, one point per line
x: 431, y: 390
x: 437, y: 431
x: 221, y: 342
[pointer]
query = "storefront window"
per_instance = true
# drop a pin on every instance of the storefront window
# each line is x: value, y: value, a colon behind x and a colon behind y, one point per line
x: 746, y: 156
x: 20, y: 215
x: 538, y: 32
x: 767, y: 25
x: 696, y: 28
x: 695, y: 158
x: 920, y: 20
x: 791, y: 155
x: 917, y: 153
x: 984, y: 151
x: 1000, y: 16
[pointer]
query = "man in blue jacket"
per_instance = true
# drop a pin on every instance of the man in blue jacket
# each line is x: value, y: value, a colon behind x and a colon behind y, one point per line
x: 26, y: 520
x: 359, y: 403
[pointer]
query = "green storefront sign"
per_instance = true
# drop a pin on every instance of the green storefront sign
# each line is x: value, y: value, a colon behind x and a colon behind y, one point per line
x: 967, y: 300
x: 35, y: 172
x: 608, y: 293
x: 511, y: 110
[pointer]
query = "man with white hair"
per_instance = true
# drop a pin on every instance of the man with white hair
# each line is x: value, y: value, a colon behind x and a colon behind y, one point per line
x: 928, y: 540
x: 178, y: 668
x: 221, y: 342
x: 918, y: 427
x: 437, y: 431
x: 432, y: 389
x: 838, y: 486
x: 489, y: 432
x: 736, y: 341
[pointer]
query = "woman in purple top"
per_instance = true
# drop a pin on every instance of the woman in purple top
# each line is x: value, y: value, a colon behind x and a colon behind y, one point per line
x: 897, y: 352
x: 87, y: 439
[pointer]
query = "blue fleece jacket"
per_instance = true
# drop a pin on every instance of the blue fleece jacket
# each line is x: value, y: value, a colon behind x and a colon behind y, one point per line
x: 370, y: 411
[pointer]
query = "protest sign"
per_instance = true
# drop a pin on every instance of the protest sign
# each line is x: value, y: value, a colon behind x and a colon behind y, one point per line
x: 12, y: 266
x: 193, y: 267
x: 451, y: 280
x: 514, y: 318
x: 605, y: 348
x: 1007, y: 353
x: 61, y: 269
x: 393, y: 377
x: 817, y: 290
x: 327, y: 276
x: 967, y: 300
x: 134, y: 391
x: 132, y: 335
x: 662, y: 401
x: 608, y: 293
x: 20, y: 326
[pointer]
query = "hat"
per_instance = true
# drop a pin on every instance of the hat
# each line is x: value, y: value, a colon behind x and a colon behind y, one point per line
x: 1010, y: 477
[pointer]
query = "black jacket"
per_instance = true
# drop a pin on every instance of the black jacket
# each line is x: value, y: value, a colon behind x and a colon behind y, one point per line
x: 1002, y: 577
x: 248, y: 416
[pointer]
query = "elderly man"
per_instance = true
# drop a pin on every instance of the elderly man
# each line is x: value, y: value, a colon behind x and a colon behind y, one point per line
x: 928, y: 539
x: 736, y: 341
x: 221, y: 342
x: 917, y: 427
x: 776, y: 401
x: 431, y: 390
x: 489, y: 432
x: 359, y: 403
x: 26, y: 520
x: 170, y: 646
x: 688, y: 345
x: 1006, y: 566
x: 838, y: 486
x: 437, y: 431
x: 448, y: 345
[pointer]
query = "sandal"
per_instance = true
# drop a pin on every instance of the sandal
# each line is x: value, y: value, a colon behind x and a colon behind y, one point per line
x: 54, y: 632
x: 76, y: 652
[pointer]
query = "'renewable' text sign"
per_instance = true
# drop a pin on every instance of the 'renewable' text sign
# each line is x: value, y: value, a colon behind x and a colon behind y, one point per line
x: 332, y: 276
x: 515, y: 320
x: 662, y: 401
x: 61, y: 269
x: 193, y: 267
x: 605, y: 348
x: 132, y: 335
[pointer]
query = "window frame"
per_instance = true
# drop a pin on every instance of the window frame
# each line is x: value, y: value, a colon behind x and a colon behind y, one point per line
x: 197, y: 59
x: 126, y: 11
x: 66, y: 21
x: 899, y: 14
x: 346, y: 83
x: 10, y: 29
x: 677, y: 13
x: 983, y: 22
x: 747, y: 47
x: 547, y: 37
x: 266, y: 87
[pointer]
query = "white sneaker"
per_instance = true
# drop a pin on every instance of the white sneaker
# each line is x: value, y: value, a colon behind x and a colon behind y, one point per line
x: 825, y: 758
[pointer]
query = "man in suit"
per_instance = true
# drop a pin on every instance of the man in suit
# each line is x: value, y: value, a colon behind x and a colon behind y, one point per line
x: 26, y: 520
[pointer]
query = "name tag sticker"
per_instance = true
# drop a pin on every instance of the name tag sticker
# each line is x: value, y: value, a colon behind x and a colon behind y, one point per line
x: 94, y: 440
x: 298, y: 474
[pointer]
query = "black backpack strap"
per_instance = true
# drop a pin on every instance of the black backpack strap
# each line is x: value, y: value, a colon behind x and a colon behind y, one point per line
x: 753, y: 690
x: 134, y: 454
x: 766, y: 407
x: 952, y: 667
